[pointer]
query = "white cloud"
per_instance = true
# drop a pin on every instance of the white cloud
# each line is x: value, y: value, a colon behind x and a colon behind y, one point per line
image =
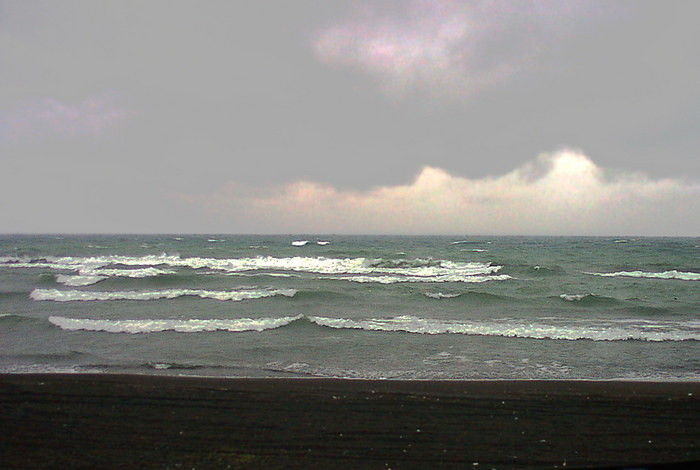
x: 560, y: 193
x: 52, y: 117
x: 450, y: 47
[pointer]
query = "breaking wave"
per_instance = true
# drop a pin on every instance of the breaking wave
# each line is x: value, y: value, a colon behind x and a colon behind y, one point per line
x: 542, y: 329
x: 89, y: 276
x: 588, y: 299
x: 685, y: 276
x: 442, y: 278
x: 440, y: 295
x: 180, y: 326
x: 601, y: 330
x: 78, y: 281
x: 76, y: 295
x: 364, y: 270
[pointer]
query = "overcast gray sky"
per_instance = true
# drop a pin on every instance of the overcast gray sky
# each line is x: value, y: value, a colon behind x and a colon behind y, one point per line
x: 402, y: 116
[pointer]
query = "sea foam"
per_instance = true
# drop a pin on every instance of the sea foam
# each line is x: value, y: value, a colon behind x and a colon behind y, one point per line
x: 180, y: 326
x: 437, y: 278
x: 78, y: 281
x: 77, y: 295
x: 595, y: 330
x: 440, y: 295
x: 383, y: 270
x: 674, y: 274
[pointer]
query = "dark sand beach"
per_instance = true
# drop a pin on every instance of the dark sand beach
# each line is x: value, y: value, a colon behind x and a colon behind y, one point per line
x: 120, y: 421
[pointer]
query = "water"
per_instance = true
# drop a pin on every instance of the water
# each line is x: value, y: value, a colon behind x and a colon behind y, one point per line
x: 360, y: 307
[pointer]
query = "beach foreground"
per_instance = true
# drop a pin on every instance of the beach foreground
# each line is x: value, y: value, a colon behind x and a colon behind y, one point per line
x: 132, y: 421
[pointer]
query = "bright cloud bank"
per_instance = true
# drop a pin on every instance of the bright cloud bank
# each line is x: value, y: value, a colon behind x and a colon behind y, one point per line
x: 564, y: 193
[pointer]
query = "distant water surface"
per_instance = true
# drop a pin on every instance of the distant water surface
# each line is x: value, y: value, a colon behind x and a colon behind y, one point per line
x: 358, y: 307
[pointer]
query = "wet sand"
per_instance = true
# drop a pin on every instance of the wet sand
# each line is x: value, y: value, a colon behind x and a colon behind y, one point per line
x: 128, y: 421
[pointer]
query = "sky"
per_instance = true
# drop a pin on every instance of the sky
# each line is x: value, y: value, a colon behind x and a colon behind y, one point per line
x: 350, y: 116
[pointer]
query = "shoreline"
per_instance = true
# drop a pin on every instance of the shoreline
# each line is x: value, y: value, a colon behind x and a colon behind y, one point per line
x: 300, y: 376
x: 165, y: 421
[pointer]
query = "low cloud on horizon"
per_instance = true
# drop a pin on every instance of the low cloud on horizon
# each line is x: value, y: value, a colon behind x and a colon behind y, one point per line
x: 563, y: 193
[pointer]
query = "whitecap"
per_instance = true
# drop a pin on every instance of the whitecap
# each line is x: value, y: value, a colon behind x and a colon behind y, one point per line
x: 132, y: 272
x: 180, y: 326
x: 674, y: 274
x: 299, y: 242
x: 153, y: 265
x: 77, y: 281
x: 574, y: 297
x: 595, y: 330
x: 440, y: 295
x: 77, y: 295
x: 414, y: 279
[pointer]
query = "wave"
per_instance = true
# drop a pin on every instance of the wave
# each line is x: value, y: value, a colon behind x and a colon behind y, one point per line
x: 77, y: 281
x: 574, y: 297
x: 549, y: 328
x: 180, y: 326
x: 442, y: 278
x: 89, y: 270
x: 587, y: 298
x: 685, y: 276
x: 77, y: 295
x: 393, y: 270
x: 88, y: 276
x: 440, y: 295
x: 547, y: 270
x: 470, y: 296
x: 595, y: 330
x: 133, y: 273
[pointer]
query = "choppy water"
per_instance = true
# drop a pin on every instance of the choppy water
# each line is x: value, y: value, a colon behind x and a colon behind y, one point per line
x: 365, y: 307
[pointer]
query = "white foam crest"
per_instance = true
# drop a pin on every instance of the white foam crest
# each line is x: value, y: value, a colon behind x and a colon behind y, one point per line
x: 180, y: 326
x: 574, y: 297
x: 89, y: 264
x: 41, y: 264
x: 438, y: 278
x: 445, y: 270
x: 299, y: 242
x: 78, y: 281
x: 440, y: 295
x: 685, y: 276
x: 133, y: 273
x: 583, y: 330
x: 77, y: 295
x: 358, y: 266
